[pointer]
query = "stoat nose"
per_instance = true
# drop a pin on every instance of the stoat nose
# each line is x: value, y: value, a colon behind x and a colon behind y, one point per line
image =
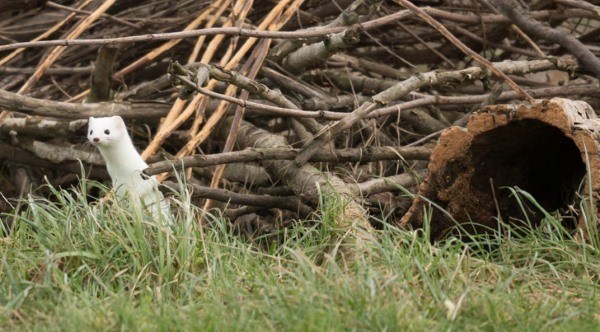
x: 96, y: 139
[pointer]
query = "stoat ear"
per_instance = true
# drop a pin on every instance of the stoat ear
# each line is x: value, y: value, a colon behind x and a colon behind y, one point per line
x: 118, y: 121
x: 91, y: 119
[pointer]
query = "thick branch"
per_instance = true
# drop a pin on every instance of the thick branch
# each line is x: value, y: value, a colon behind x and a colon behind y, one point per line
x: 386, y: 184
x: 58, y: 154
x: 57, y: 109
x: 307, y: 181
x: 21, y: 156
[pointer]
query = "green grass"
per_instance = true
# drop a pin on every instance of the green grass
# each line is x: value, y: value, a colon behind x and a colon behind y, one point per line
x: 72, y: 265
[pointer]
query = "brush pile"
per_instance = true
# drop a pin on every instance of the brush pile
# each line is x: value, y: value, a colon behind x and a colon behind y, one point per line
x: 271, y: 106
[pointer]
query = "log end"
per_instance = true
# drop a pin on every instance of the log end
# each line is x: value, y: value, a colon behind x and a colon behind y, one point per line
x: 541, y: 149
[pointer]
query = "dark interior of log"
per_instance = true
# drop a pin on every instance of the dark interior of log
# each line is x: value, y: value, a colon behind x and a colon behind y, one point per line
x: 533, y: 156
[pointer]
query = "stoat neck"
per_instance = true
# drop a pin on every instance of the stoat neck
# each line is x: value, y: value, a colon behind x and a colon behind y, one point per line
x: 122, y: 156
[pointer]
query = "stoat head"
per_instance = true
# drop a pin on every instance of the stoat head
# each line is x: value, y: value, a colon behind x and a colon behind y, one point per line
x: 103, y: 132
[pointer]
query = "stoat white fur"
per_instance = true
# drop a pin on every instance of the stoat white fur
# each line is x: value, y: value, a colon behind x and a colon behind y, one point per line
x: 124, y: 163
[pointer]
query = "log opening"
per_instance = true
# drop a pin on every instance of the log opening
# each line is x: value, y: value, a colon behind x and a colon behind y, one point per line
x: 530, y: 155
x: 540, y: 149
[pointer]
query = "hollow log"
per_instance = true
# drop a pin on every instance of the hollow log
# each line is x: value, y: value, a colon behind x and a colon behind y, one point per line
x: 541, y: 149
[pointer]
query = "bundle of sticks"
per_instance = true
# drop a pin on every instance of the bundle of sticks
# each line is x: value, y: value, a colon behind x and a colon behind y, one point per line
x: 271, y: 106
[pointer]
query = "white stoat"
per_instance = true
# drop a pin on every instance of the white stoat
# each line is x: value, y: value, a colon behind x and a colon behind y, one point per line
x: 124, y: 163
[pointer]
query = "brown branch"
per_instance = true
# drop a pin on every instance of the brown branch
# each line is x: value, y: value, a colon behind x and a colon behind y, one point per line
x: 224, y: 75
x: 50, y: 71
x: 581, y: 4
x: 307, y: 33
x: 55, y: 53
x: 44, y: 35
x: 480, y: 40
x: 87, y: 12
x: 499, y: 19
x: 252, y: 67
x: 511, y: 67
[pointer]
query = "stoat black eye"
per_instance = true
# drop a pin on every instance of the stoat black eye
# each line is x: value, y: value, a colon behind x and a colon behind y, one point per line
x: 91, y: 132
x: 107, y: 132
